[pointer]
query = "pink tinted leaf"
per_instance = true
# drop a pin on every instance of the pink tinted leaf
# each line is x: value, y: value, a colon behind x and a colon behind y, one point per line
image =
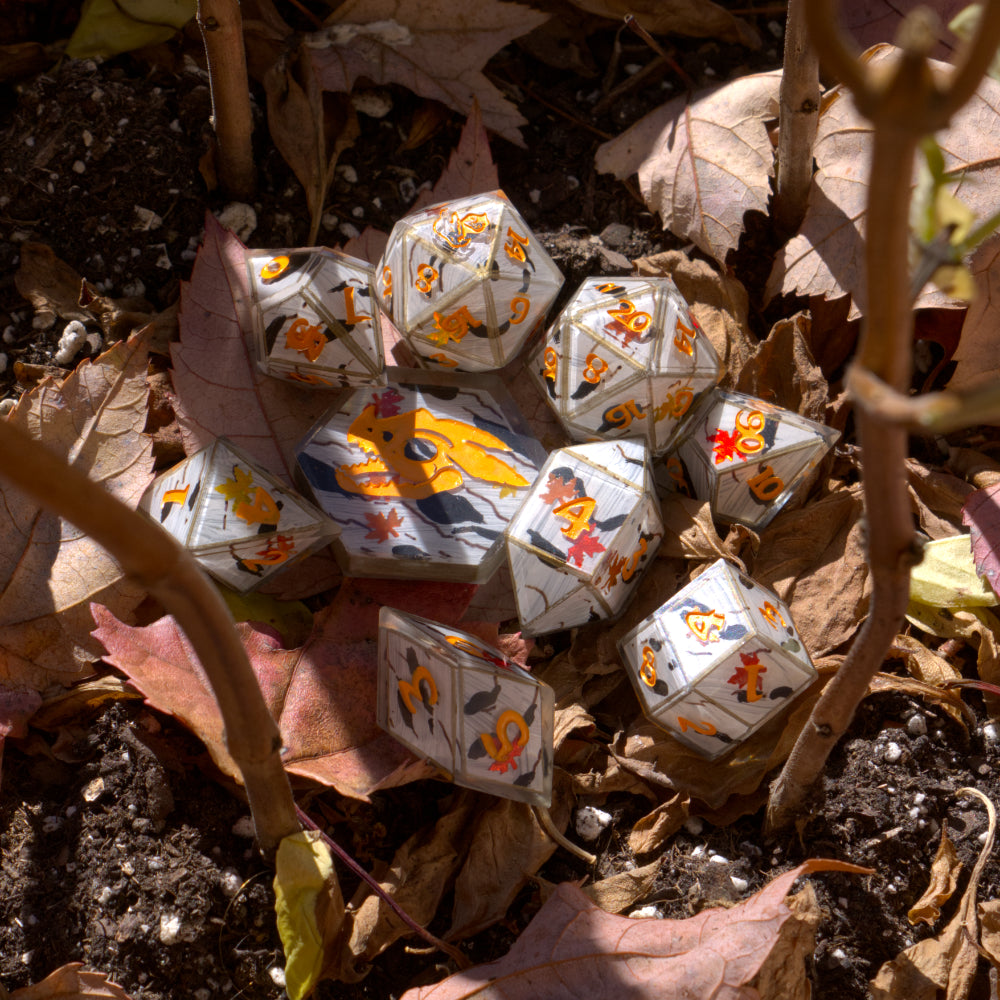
x: 981, y: 514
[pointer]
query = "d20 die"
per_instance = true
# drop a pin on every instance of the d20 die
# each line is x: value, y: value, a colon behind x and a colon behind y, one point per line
x: 315, y: 319
x: 449, y: 697
x: 746, y: 456
x: 423, y: 476
x: 587, y: 530
x: 717, y: 660
x: 625, y: 358
x: 465, y: 282
x: 240, y: 522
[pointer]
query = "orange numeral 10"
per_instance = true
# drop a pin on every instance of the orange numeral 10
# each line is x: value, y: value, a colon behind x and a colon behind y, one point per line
x: 515, y: 245
x: 410, y: 689
x: 578, y: 512
x: 766, y: 485
x: 703, y: 727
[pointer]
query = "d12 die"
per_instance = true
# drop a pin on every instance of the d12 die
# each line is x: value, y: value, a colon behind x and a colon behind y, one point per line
x: 587, y: 530
x: 422, y: 477
x: 449, y: 697
x: 466, y: 282
x: 717, y: 660
x: 240, y: 523
x: 315, y: 319
x: 746, y: 456
x: 625, y: 358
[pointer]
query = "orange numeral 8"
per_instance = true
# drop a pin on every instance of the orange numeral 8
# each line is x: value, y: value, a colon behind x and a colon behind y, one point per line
x: 647, y: 671
x: 387, y: 282
x: 596, y: 367
x: 426, y: 276
x: 551, y: 363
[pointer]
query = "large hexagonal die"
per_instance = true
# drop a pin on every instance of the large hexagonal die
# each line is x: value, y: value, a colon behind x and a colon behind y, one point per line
x: 746, y: 456
x: 624, y: 358
x: 466, y: 282
x: 422, y: 476
x: 450, y: 698
x: 315, y: 319
x: 717, y: 661
x: 585, y: 534
x: 239, y: 522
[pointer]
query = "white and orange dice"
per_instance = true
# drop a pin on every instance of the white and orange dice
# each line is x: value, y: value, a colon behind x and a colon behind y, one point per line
x: 625, y: 358
x: 586, y: 532
x: 315, y: 320
x: 717, y: 661
x: 466, y: 282
x: 450, y: 698
x: 238, y: 521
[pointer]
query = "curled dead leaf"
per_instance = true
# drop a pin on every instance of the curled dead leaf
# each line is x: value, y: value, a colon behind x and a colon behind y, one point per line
x: 944, y: 880
x: 617, y: 893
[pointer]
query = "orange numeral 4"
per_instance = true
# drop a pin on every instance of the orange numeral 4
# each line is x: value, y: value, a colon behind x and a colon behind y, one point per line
x: 578, y: 512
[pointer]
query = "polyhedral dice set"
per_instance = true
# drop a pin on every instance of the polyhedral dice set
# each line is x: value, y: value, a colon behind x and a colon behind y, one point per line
x: 433, y: 474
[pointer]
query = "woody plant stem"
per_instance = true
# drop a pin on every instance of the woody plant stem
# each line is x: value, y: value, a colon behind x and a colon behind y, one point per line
x: 905, y: 101
x: 155, y: 560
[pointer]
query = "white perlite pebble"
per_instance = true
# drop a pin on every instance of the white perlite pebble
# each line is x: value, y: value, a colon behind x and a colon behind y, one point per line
x: 698, y: 851
x: 229, y: 882
x: 277, y: 974
x: 170, y: 928
x: 893, y: 753
x: 535, y: 196
x: 239, y: 217
x: 917, y: 726
x: 147, y: 219
x: 739, y: 884
x: 645, y: 912
x: 718, y: 859
x: 591, y: 822
x: 243, y: 827
x: 72, y: 339
x: 374, y: 103
x: 991, y: 732
x: 79, y: 167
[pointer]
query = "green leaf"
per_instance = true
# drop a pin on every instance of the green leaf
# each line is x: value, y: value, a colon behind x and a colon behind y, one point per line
x: 292, y: 619
x: 108, y: 27
x: 946, y: 576
x: 303, y: 866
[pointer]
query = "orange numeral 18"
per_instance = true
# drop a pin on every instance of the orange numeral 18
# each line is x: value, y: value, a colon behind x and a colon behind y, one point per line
x: 578, y: 512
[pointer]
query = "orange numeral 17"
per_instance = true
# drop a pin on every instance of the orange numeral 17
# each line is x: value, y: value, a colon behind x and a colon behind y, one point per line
x: 515, y: 245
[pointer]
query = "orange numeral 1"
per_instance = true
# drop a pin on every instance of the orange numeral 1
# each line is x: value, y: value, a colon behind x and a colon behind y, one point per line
x: 578, y: 512
x: 442, y: 359
x: 174, y: 496
x: 520, y: 304
x: 766, y: 485
x: 499, y: 747
x: 263, y: 509
x: 352, y: 316
x: 515, y: 245
x: 703, y: 727
x: 410, y: 689
x: 629, y: 317
x: 647, y: 671
x: 770, y: 612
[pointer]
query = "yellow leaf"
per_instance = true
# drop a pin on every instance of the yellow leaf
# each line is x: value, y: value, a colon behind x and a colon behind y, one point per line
x: 946, y: 576
x: 108, y: 27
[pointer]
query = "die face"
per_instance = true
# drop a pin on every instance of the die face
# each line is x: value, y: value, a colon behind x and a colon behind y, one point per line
x: 747, y: 456
x: 625, y: 358
x: 240, y: 523
x: 316, y: 319
x: 466, y: 282
x: 422, y: 477
x: 715, y: 679
x: 584, y: 534
x: 457, y: 701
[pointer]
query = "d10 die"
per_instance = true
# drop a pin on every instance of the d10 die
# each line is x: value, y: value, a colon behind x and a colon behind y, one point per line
x: 449, y: 697
x: 625, y: 358
x: 422, y: 477
x: 587, y: 530
x: 717, y: 660
x: 240, y: 523
x: 746, y: 456
x: 466, y: 282
x: 315, y: 319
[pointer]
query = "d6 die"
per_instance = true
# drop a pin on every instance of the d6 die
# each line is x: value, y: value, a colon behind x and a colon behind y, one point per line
x: 587, y: 530
x: 315, y: 319
x: 466, y: 282
x: 717, y: 660
x: 746, y: 456
x: 422, y: 477
x: 449, y: 697
x: 625, y: 358
x: 240, y: 523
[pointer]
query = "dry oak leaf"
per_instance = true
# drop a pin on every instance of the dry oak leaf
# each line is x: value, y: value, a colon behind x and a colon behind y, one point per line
x: 436, y: 48
x: 981, y: 514
x: 703, y: 165
x: 69, y: 982
x: 573, y: 950
x: 945, y: 869
x: 697, y: 18
x: 976, y: 359
x: 322, y: 695
x: 871, y: 21
x: 49, y: 570
x: 826, y: 258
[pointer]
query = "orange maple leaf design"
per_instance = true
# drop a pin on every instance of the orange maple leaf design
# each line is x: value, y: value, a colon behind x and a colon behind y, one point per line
x: 383, y: 525
x: 557, y: 490
x: 586, y: 545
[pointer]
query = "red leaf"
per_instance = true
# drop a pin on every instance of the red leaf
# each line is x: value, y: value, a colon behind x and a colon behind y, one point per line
x: 586, y: 545
x: 981, y: 513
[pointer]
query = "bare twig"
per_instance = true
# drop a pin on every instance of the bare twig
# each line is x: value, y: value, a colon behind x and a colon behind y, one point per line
x: 153, y: 558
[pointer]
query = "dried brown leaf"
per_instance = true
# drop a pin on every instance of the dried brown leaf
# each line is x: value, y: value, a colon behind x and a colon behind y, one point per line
x: 49, y: 284
x: 617, y: 893
x: 948, y: 701
x: 783, y: 973
x: 945, y: 869
x: 976, y: 361
x: 698, y: 18
x: 989, y: 929
x: 939, y: 497
x: 650, y: 832
x: 71, y: 982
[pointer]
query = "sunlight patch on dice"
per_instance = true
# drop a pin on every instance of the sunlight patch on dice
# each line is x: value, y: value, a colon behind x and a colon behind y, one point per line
x: 315, y: 319
x: 746, y: 456
x: 239, y: 522
x: 717, y: 661
x: 422, y: 477
x: 449, y: 697
x: 466, y: 282
x: 624, y: 358
x: 585, y: 534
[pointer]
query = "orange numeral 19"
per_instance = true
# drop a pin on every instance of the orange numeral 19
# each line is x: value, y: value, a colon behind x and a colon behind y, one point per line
x: 578, y: 512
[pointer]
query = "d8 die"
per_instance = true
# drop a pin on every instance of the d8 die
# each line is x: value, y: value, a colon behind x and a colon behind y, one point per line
x: 449, y: 697
x: 315, y: 319
x: 746, y: 456
x: 625, y: 358
x: 422, y: 477
x: 587, y: 530
x: 240, y: 523
x: 466, y: 282
x: 717, y: 660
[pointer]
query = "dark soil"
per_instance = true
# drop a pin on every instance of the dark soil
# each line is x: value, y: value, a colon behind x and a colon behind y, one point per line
x: 120, y: 848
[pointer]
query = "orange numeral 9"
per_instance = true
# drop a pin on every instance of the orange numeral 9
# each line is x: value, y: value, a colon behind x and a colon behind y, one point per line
x: 520, y: 304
